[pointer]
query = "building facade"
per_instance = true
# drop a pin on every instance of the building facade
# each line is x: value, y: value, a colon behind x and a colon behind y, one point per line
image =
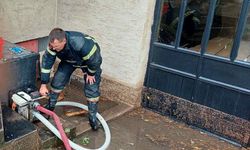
x: 198, y: 65
x: 188, y: 59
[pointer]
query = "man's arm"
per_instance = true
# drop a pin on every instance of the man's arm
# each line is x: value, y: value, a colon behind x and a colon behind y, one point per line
x: 47, y: 63
x: 93, y: 62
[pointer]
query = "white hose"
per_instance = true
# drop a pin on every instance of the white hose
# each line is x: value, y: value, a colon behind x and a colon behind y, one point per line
x: 72, y: 144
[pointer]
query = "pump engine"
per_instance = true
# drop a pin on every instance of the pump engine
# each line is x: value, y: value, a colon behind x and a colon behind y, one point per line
x: 23, y: 102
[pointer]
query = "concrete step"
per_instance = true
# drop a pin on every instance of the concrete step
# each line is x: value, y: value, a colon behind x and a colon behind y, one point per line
x: 77, y: 125
x: 48, y: 139
x: 19, y: 133
x: 108, y: 114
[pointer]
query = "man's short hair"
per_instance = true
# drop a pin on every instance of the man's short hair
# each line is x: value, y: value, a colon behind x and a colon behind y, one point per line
x: 56, y: 33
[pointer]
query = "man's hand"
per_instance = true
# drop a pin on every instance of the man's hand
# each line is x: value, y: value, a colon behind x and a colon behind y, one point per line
x: 44, y: 90
x: 90, y: 79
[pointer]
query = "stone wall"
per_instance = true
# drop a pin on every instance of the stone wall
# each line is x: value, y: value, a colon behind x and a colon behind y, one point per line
x: 225, y: 125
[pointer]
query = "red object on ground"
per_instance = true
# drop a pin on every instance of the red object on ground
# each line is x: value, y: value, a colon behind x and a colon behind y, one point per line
x: 30, y: 45
x: 58, y: 124
x: 1, y: 47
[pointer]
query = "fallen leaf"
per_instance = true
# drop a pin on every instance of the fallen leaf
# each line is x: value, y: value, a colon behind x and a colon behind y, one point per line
x: 85, y: 141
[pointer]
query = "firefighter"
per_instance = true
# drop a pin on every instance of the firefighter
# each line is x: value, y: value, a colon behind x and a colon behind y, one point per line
x: 75, y: 50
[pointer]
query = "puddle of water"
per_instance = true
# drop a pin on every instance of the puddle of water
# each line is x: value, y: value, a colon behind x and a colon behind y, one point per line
x: 142, y: 129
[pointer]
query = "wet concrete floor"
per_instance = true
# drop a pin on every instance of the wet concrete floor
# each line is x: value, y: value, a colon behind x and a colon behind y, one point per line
x: 142, y: 129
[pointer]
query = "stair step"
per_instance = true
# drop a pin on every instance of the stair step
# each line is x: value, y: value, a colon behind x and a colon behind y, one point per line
x: 48, y: 139
x: 79, y: 124
x: 19, y: 133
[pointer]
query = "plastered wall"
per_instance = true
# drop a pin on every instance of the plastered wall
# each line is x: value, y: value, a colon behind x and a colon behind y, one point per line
x: 22, y: 20
x: 122, y: 28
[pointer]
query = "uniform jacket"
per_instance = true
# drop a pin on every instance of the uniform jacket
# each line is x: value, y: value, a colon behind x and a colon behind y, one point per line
x: 80, y: 50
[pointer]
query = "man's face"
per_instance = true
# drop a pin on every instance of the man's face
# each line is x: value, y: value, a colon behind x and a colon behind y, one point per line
x: 57, y: 45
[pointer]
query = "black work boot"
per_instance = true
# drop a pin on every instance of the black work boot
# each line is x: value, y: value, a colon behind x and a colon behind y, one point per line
x: 94, y: 123
x: 52, y: 101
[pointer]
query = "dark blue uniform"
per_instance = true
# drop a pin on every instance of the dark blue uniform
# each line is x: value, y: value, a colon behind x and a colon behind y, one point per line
x: 80, y: 51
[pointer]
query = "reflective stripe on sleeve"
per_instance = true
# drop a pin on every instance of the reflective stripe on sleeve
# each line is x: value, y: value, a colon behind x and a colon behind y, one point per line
x: 89, y: 38
x: 51, y: 52
x: 45, y: 70
x: 91, y: 71
x: 90, y: 53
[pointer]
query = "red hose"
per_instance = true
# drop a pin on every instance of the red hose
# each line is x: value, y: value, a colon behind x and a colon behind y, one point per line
x: 58, y: 124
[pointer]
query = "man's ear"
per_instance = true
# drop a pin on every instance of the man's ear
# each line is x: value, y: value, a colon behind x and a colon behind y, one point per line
x: 64, y: 40
x: 50, y: 47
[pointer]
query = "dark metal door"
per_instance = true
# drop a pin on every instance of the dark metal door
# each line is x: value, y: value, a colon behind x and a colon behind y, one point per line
x: 199, y: 52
